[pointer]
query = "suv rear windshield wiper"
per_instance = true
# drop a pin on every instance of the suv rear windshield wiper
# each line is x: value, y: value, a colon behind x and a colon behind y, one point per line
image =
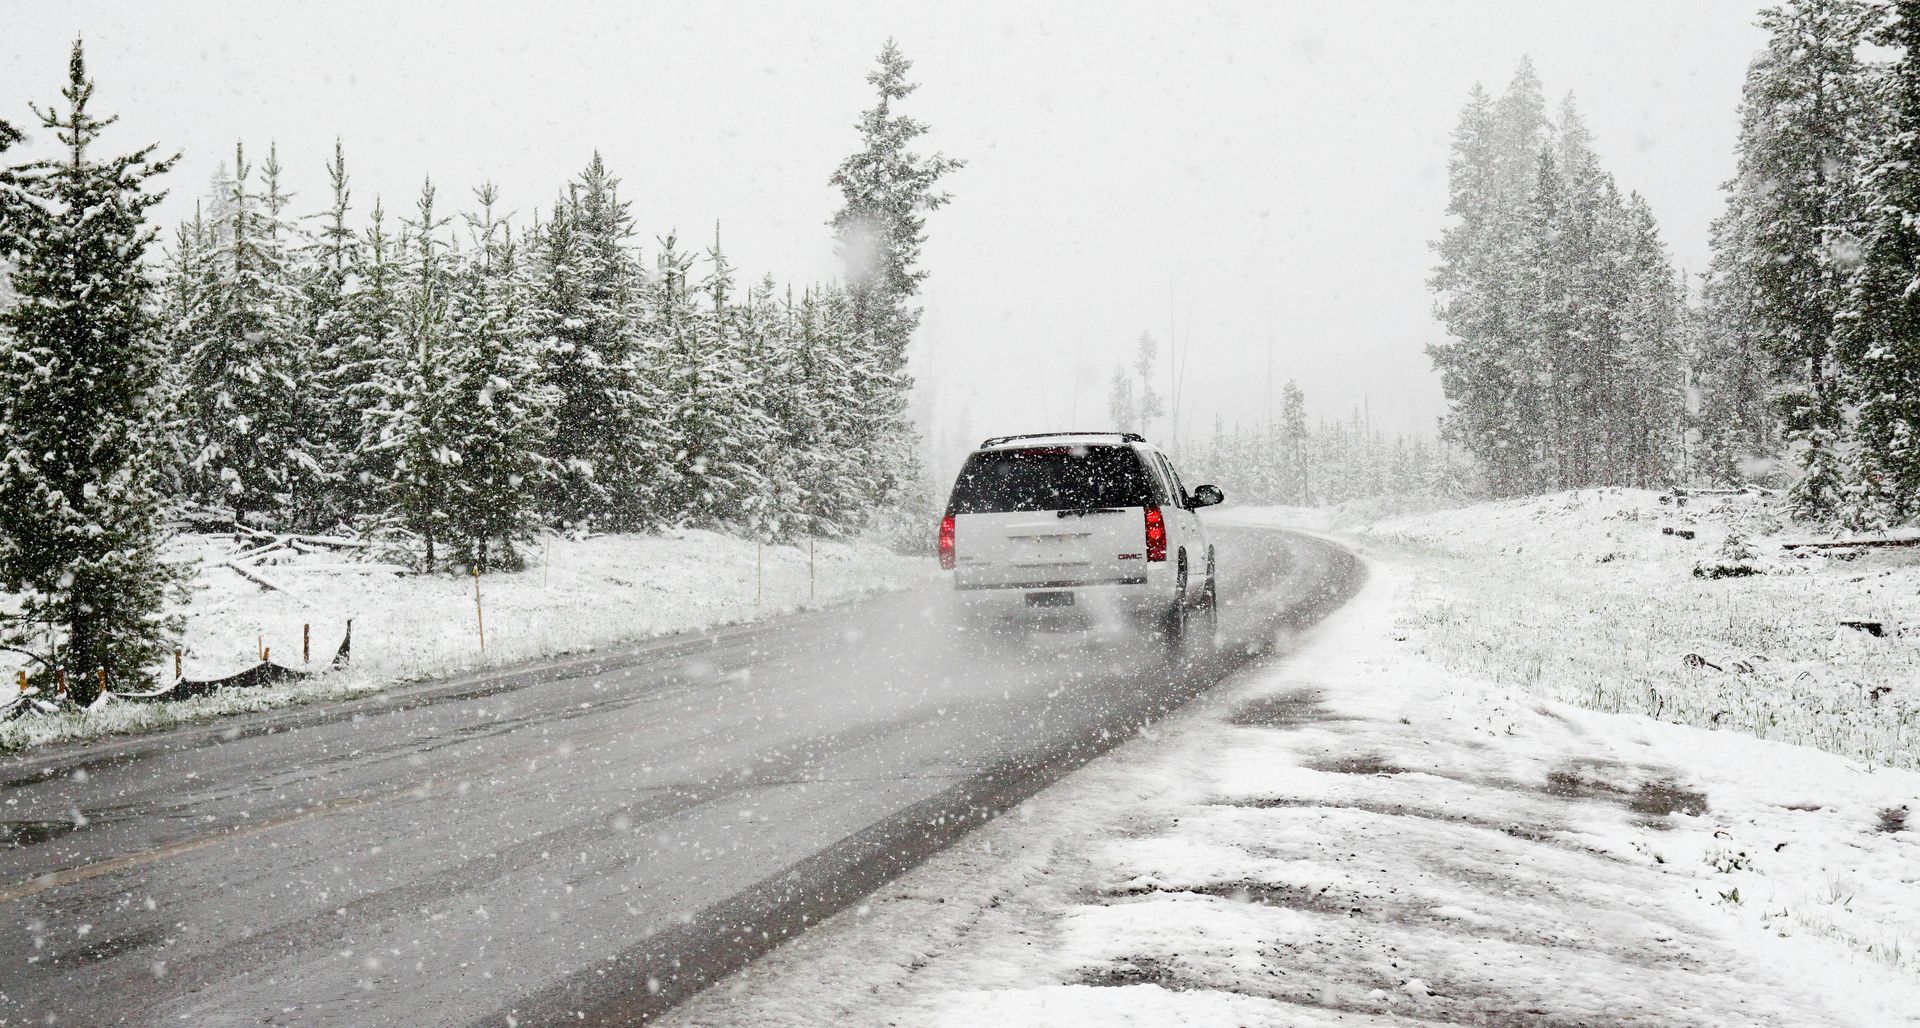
x: 1080, y: 512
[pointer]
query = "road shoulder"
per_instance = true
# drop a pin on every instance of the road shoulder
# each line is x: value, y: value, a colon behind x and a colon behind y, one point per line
x: 1352, y: 835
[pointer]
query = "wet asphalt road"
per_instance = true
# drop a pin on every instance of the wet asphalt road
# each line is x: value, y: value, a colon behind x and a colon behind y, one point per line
x: 586, y: 841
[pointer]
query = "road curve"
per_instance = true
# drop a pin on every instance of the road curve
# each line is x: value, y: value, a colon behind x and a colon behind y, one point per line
x: 589, y: 840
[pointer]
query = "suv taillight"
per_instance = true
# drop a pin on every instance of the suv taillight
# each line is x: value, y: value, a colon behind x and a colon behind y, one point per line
x: 946, y: 543
x: 1156, y: 534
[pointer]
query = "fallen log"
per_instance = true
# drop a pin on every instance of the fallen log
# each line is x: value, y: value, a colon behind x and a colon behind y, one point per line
x: 1843, y: 544
x: 366, y: 567
x: 256, y: 578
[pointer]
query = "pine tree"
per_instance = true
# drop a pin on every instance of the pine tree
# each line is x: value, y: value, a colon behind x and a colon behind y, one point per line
x: 1484, y: 370
x: 80, y: 357
x: 495, y: 410
x: 886, y: 190
x: 183, y: 310
x: 417, y: 389
x: 1296, y: 487
x: 836, y: 478
x: 1647, y: 397
x: 1732, y: 371
x: 250, y: 362
x: 1145, y: 353
x: 606, y: 446
x: 358, y: 373
x: 1123, y: 408
x: 342, y: 357
x: 1806, y: 116
x: 1881, y: 340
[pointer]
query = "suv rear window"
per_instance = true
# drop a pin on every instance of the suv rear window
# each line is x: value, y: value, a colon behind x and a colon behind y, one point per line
x: 1050, y: 478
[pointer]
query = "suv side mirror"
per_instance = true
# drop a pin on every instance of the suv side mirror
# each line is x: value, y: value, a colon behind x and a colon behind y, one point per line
x: 1206, y: 496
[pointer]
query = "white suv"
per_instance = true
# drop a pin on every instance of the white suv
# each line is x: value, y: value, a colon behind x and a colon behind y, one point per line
x: 1085, y: 527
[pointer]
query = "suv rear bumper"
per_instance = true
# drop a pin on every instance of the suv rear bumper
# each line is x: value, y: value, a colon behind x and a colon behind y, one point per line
x: 1085, y: 603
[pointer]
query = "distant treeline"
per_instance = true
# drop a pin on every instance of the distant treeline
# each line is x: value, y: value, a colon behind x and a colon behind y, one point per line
x: 1295, y: 463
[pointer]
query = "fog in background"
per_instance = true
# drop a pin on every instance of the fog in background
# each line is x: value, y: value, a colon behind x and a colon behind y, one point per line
x: 1201, y: 170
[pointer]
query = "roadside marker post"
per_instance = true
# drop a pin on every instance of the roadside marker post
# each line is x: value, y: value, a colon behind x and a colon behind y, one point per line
x: 479, y: 613
x: 809, y: 570
x: 23, y: 682
x: 60, y: 683
x: 306, y: 644
x: 759, y: 576
x: 177, y: 673
x: 103, y: 681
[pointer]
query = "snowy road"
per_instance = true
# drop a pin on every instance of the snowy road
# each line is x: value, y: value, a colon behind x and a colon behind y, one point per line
x: 603, y: 844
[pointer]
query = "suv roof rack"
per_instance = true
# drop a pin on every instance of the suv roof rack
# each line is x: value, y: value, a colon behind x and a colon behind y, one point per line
x: 1131, y: 437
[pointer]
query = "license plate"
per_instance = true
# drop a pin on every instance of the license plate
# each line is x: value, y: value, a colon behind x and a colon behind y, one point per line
x: 1049, y: 599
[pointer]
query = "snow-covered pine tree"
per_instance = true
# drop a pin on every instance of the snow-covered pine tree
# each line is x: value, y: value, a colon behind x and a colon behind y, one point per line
x: 496, y: 409
x: 733, y: 455
x: 1535, y: 408
x: 1807, y: 115
x: 1732, y: 370
x: 341, y: 361
x: 886, y: 190
x: 766, y: 335
x: 249, y: 431
x: 305, y: 501
x: 358, y: 376
x: 1483, y: 366
x: 183, y: 308
x: 1297, y: 486
x: 838, y: 480
x: 417, y: 390
x: 1647, y: 397
x: 585, y: 307
x: 1881, y: 334
x: 1123, y: 409
x: 80, y: 357
x: 1146, y: 352
x: 703, y: 394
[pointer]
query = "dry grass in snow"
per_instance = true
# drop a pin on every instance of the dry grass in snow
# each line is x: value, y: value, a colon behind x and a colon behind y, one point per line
x: 1582, y: 597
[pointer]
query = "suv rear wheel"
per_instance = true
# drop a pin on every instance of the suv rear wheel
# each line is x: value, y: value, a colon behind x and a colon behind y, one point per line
x: 1176, y: 623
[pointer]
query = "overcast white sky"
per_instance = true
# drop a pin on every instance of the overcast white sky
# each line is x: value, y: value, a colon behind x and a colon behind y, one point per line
x: 1130, y: 164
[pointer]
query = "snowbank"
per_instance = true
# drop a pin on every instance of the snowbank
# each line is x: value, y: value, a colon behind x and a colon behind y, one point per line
x: 1358, y: 835
x: 575, y: 596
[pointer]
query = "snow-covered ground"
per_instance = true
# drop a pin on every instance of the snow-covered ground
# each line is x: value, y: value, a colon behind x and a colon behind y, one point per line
x: 575, y: 596
x: 1358, y: 834
x: 1585, y: 597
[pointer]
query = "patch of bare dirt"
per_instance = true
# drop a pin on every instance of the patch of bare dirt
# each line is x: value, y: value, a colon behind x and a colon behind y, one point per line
x: 1365, y: 764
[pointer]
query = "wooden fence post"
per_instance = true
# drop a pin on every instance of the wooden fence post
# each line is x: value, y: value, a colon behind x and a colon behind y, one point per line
x: 23, y: 682
x: 177, y: 672
x: 60, y: 683
x: 103, y: 681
